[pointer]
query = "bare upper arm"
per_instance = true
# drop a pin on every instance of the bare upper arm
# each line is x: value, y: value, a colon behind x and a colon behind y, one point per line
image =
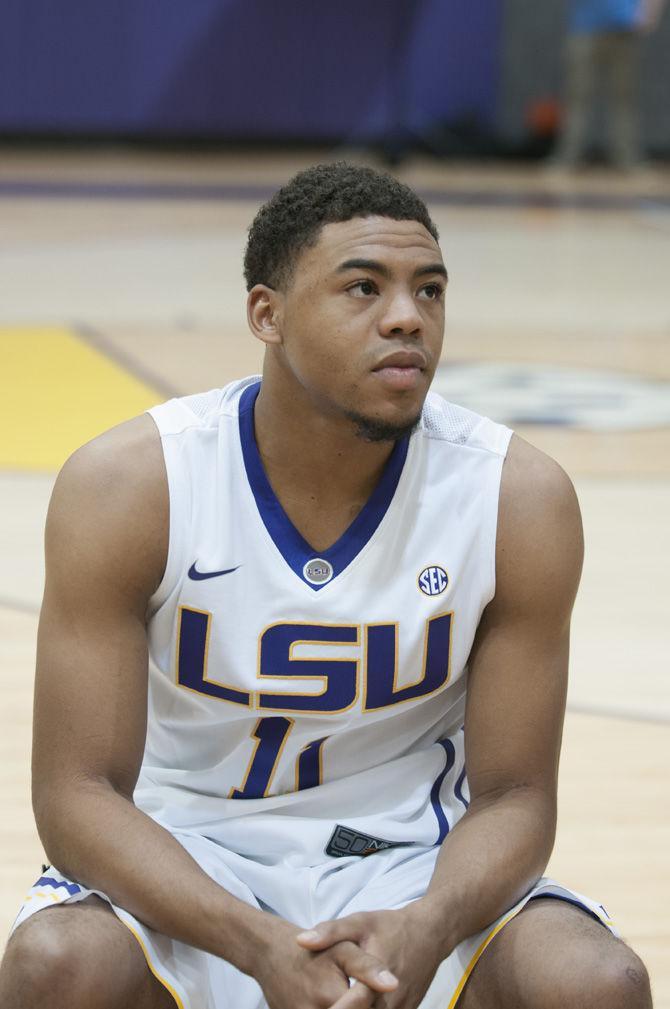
x: 106, y: 546
x: 519, y: 662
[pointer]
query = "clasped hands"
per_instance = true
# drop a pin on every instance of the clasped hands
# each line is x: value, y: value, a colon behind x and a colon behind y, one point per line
x: 385, y: 959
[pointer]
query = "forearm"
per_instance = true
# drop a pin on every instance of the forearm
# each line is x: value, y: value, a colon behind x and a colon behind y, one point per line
x: 99, y: 838
x: 489, y: 861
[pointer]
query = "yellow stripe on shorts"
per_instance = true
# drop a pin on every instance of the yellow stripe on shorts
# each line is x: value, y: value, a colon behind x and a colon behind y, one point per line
x: 478, y: 952
x: 56, y: 393
x: 147, y: 956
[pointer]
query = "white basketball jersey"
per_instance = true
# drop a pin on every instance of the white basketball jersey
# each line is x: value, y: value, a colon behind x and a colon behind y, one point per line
x: 305, y: 705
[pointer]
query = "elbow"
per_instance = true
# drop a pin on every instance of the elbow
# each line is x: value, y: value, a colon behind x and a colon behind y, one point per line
x: 54, y: 833
x: 55, y: 809
x: 532, y: 807
x: 66, y: 813
x: 539, y: 810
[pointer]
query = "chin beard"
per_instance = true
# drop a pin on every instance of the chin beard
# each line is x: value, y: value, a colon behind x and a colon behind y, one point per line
x: 374, y: 429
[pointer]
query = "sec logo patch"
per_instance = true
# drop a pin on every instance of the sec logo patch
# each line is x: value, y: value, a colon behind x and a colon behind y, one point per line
x: 433, y: 580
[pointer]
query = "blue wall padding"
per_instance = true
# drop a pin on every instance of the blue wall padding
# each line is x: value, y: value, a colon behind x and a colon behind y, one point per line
x: 353, y: 69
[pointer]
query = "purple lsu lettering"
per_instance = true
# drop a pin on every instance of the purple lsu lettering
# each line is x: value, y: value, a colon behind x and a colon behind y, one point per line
x: 339, y: 678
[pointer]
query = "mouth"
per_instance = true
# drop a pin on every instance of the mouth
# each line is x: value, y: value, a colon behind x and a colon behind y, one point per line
x: 402, y: 370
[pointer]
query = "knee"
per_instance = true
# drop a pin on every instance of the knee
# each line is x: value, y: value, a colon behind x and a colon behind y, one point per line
x: 44, y: 963
x: 621, y: 981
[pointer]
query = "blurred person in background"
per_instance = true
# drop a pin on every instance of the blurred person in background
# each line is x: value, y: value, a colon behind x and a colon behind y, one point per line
x: 604, y: 46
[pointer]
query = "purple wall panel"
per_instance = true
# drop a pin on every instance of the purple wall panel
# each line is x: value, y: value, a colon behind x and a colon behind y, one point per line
x: 63, y: 65
x: 454, y: 61
x: 280, y: 72
x: 353, y: 70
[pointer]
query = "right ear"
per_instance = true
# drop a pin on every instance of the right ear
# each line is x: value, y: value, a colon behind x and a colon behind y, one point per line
x: 264, y: 313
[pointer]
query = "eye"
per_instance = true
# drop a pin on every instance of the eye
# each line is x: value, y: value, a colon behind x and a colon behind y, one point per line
x: 432, y: 291
x: 363, y: 288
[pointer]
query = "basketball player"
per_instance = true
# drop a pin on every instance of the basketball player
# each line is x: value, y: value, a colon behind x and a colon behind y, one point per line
x: 345, y: 590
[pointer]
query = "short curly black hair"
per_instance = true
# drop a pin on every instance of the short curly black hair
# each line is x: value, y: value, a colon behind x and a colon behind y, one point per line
x: 292, y: 219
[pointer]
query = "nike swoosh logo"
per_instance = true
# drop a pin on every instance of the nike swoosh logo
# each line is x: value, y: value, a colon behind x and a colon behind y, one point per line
x: 200, y: 576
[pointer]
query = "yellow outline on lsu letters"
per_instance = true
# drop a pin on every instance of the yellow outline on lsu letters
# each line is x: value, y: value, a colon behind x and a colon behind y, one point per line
x: 313, y: 676
x: 205, y: 678
x: 407, y: 686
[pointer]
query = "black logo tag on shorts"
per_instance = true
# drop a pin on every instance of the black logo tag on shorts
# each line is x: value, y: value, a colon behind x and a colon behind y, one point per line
x: 345, y: 841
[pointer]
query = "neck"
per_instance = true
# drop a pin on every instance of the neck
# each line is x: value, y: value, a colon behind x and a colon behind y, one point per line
x: 302, y: 449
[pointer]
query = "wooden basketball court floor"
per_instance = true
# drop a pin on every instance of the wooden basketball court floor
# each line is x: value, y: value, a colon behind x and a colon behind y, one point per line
x: 120, y: 285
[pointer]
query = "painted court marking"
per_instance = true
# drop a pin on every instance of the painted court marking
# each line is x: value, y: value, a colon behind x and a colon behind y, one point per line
x: 531, y: 393
x: 45, y: 368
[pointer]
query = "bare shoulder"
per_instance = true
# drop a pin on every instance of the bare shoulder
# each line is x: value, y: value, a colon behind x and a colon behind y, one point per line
x: 126, y: 459
x: 540, y: 541
x: 110, y: 506
x: 534, y: 487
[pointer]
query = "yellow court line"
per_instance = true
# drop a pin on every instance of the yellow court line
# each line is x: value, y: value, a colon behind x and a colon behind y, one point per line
x: 57, y: 392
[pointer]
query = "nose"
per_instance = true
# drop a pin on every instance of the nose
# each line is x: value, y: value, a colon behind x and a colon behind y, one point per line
x: 401, y: 316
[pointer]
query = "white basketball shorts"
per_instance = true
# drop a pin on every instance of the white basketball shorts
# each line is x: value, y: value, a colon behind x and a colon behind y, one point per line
x: 386, y: 880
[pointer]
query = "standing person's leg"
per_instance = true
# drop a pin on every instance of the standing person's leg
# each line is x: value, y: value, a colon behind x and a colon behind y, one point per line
x: 622, y: 59
x: 580, y: 74
x: 75, y: 957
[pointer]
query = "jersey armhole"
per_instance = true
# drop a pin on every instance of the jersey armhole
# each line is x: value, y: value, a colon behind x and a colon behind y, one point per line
x: 177, y: 511
x: 505, y: 436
